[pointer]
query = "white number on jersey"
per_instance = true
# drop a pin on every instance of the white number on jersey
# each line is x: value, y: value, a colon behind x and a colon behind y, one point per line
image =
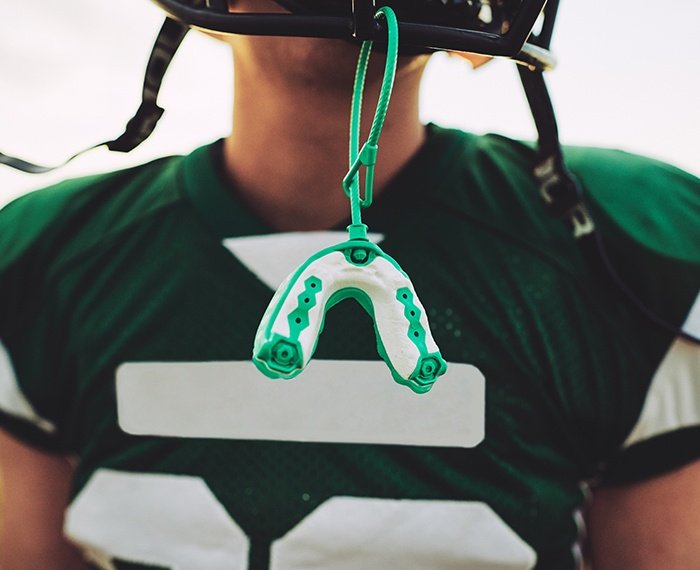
x: 177, y: 522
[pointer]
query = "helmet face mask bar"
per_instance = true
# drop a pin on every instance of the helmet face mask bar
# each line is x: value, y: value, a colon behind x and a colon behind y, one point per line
x: 489, y: 27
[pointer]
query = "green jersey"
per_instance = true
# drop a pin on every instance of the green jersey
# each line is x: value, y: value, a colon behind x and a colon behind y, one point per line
x: 129, y: 304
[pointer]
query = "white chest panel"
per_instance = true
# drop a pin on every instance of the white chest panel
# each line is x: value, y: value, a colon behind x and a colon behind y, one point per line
x: 336, y: 401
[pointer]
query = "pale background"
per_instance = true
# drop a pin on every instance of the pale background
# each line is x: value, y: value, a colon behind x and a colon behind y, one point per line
x: 71, y: 73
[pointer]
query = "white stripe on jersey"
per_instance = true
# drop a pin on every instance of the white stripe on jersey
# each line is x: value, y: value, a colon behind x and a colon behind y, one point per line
x: 692, y: 323
x: 673, y: 400
x: 12, y: 400
x: 334, y: 401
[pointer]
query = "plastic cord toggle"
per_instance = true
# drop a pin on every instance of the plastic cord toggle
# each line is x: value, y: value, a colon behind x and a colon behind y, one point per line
x: 366, y: 158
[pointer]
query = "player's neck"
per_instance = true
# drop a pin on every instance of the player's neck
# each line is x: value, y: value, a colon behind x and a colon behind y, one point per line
x: 289, y: 148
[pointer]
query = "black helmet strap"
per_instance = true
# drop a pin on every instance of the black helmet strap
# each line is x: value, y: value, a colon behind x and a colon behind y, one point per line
x: 142, y: 124
x: 563, y: 197
x: 558, y: 188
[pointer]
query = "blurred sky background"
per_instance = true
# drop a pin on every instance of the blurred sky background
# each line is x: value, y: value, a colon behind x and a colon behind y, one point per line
x: 71, y: 74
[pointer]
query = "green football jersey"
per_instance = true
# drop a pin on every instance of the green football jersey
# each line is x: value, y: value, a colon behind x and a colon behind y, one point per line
x: 129, y: 304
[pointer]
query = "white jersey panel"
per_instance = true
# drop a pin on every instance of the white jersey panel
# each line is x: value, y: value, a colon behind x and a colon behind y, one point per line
x: 12, y: 400
x: 336, y: 401
x: 692, y: 322
x: 673, y: 400
x: 271, y: 258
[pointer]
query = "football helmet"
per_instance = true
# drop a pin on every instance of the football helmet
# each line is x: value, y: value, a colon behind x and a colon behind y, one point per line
x: 516, y: 29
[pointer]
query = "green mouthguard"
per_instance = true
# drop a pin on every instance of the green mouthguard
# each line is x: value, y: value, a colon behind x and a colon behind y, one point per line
x: 288, y: 333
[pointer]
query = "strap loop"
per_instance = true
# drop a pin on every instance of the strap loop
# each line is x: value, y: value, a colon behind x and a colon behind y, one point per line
x: 367, y: 156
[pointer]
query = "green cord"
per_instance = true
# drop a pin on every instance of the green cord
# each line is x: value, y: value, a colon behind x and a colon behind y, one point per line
x: 367, y: 156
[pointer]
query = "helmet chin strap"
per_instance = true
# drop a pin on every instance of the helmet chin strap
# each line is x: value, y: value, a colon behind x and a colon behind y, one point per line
x: 558, y: 188
x: 562, y: 194
x: 142, y: 124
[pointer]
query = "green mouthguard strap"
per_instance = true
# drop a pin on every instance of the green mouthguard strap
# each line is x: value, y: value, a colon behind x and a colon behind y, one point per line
x: 367, y: 156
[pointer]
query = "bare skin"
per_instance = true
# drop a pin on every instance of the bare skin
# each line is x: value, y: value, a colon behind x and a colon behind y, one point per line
x: 288, y: 150
x: 35, y: 495
x: 288, y: 155
x: 648, y: 525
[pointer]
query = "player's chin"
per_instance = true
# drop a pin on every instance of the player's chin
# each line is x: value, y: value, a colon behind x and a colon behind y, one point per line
x: 335, y: 61
x: 306, y: 61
